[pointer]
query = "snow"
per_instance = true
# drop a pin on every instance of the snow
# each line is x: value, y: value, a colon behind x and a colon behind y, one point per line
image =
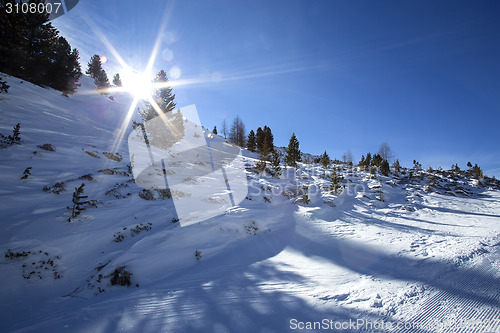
x: 428, y: 254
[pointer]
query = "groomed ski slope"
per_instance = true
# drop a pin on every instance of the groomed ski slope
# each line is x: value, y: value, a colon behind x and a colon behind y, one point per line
x: 427, y: 256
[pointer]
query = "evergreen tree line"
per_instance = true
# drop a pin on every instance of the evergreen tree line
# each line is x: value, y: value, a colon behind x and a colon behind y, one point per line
x: 31, y: 49
x: 101, y: 80
x: 261, y: 141
x: 474, y: 171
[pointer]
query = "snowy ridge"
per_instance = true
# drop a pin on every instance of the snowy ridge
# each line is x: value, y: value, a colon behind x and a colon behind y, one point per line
x: 417, y: 247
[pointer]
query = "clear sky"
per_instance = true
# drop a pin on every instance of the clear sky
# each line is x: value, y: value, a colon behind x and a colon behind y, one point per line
x: 422, y: 75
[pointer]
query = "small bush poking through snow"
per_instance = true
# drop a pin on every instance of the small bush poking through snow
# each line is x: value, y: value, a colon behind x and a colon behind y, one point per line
x: 12, y: 139
x: 197, y: 255
x: 115, y: 157
x: 57, y: 188
x: 4, y: 87
x: 118, y: 237
x: 26, y: 173
x: 121, y: 277
x: 147, y: 195
x: 162, y: 194
x: 141, y: 227
x: 11, y: 255
x: 251, y: 228
x: 41, y: 264
x: 47, y: 147
x: 78, y: 204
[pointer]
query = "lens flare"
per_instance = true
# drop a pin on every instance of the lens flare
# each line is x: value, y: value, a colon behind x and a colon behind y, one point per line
x: 138, y: 84
x: 104, y: 60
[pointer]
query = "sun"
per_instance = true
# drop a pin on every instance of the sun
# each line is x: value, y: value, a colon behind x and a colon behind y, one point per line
x: 137, y: 84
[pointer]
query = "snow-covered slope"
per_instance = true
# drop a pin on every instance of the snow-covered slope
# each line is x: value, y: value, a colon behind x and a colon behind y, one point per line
x: 427, y: 254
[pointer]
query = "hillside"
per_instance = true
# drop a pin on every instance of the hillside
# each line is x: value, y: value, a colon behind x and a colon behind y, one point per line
x: 416, y: 248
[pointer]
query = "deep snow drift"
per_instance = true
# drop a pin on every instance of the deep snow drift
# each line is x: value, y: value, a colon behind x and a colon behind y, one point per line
x: 427, y: 254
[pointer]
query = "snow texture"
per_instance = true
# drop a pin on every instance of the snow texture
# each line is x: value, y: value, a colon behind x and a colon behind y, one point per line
x: 398, y: 250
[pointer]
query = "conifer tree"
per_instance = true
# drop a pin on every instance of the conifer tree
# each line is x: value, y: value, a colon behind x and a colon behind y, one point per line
x: 325, y: 160
x: 14, y: 138
x: 396, y: 166
x: 335, y: 182
x: 162, y: 96
x: 251, y: 141
x: 95, y: 71
x: 368, y: 160
x: 362, y: 161
x: 376, y: 160
x: 384, y: 167
x: 215, y: 130
x: 259, y: 139
x: 269, y: 137
x: 65, y: 71
x: 117, y: 81
x: 293, y: 152
x: 263, y: 156
x: 78, y: 203
x: 275, y: 163
x: 31, y: 49
x: 476, y: 172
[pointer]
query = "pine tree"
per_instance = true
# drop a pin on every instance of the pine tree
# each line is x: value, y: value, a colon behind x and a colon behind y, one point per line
x: 368, y: 160
x: 117, y: 81
x: 14, y: 138
x: 325, y: 160
x: 263, y: 156
x: 269, y: 137
x: 251, y: 141
x: 275, y: 163
x: 384, y: 167
x: 335, y: 182
x: 396, y: 166
x: 65, y: 70
x: 476, y: 172
x: 95, y: 71
x: 362, y: 161
x: 376, y: 160
x: 259, y: 139
x: 31, y: 49
x: 215, y: 130
x: 293, y: 152
x: 78, y: 204
x: 162, y: 96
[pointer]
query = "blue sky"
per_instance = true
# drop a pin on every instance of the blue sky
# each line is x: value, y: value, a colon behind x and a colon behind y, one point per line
x: 423, y: 76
